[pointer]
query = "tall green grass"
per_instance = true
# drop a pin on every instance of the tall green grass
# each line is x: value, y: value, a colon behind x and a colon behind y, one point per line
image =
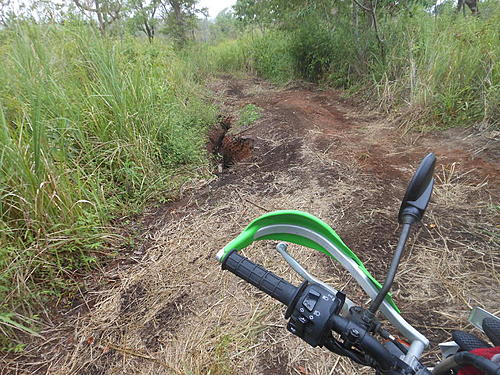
x: 448, y: 66
x: 266, y: 54
x: 90, y: 128
x: 227, y: 56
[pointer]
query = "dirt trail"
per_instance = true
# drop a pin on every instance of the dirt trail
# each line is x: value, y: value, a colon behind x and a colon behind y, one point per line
x: 174, y: 312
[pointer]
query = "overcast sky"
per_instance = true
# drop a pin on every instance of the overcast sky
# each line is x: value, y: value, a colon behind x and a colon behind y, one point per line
x: 215, y: 6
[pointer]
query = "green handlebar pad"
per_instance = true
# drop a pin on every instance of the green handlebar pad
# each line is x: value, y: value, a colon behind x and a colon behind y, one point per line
x: 259, y: 277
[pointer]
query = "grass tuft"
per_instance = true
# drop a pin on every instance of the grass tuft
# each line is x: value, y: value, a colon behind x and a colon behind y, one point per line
x: 249, y: 114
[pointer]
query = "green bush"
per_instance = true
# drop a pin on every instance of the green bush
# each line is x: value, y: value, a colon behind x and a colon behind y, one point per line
x: 323, y: 52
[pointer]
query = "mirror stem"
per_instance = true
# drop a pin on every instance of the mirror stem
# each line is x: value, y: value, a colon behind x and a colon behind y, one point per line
x: 405, y: 232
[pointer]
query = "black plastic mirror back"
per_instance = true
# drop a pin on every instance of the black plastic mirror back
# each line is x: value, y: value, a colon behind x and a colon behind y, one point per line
x: 419, y: 191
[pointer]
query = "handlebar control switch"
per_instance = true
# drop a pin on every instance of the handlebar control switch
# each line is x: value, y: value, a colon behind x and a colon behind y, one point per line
x: 310, y: 316
x: 310, y: 300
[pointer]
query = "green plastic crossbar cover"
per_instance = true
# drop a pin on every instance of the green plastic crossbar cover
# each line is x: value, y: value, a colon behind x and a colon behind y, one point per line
x: 301, y: 219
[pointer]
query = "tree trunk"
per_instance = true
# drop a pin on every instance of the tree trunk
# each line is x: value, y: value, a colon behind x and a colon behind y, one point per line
x: 472, y: 4
x: 100, y: 19
x: 149, y: 30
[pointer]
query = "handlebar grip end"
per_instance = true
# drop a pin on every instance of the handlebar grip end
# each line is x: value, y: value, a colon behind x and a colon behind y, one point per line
x: 221, y: 255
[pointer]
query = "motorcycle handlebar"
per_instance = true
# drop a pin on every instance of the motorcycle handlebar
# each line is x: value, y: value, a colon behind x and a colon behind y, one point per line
x: 387, y: 362
x: 286, y: 293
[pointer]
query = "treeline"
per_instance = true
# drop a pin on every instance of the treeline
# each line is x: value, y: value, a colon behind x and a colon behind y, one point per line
x: 176, y: 19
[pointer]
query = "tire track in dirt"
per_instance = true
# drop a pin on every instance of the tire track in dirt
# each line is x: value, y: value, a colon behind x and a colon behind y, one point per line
x: 175, y: 312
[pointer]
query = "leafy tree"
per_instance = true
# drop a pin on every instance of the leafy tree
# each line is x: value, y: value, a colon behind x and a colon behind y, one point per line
x: 266, y: 12
x: 50, y: 11
x: 16, y: 10
x: 5, y: 11
x: 145, y: 16
x: 252, y: 12
x: 180, y: 18
x: 283, y: 13
x: 225, y: 25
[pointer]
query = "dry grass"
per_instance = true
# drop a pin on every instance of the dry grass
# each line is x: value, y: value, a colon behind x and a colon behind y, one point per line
x: 215, y: 323
x: 454, y: 266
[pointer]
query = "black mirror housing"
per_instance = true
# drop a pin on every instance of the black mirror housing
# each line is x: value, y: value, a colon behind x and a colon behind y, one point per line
x: 419, y: 192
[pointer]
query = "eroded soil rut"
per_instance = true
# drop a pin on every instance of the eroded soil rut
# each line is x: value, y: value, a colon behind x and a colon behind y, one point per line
x: 173, y: 311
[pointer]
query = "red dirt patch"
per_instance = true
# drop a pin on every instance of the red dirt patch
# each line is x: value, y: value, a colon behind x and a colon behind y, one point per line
x: 236, y: 149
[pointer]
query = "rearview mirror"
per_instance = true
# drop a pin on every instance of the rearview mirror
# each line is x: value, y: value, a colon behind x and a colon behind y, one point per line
x: 418, y: 193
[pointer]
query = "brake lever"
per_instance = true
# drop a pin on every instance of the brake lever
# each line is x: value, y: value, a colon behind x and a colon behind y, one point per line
x: 297, y: 267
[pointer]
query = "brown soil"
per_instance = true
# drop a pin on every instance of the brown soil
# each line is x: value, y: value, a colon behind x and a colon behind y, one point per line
x: 173, y: 311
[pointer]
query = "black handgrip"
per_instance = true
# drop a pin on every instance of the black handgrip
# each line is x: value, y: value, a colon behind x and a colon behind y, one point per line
x: 491, y: 328
x: 468, y: 341
x: 462, y: 359
x: 258, y: 276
